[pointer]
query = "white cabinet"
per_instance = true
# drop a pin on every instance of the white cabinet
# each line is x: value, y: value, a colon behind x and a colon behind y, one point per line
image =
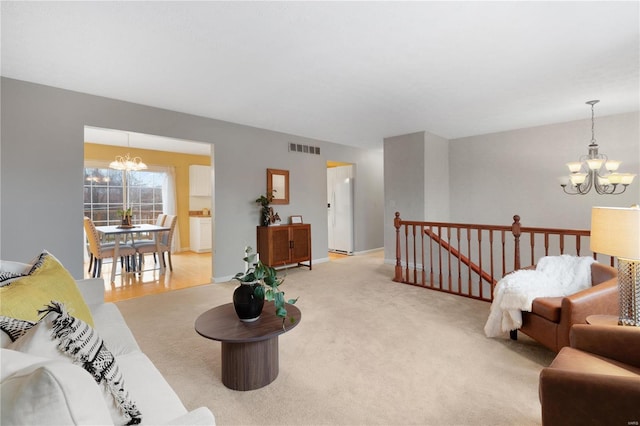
x: 199, y: 181
x: 200, y: 234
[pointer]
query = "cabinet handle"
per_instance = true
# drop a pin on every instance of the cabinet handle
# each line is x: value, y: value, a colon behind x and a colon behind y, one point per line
x: 291, y: 244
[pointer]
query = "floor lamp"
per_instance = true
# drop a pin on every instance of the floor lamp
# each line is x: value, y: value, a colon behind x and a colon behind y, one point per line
x: 616, y: 232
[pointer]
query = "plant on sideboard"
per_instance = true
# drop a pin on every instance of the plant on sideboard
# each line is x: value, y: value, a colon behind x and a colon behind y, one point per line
x: 265, y: 210
x: 265, y: 283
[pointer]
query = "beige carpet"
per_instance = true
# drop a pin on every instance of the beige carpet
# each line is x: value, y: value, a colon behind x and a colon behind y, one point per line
x: 368, y: 351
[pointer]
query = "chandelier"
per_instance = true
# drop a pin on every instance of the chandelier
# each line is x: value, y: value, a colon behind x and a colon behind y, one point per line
x: 595, y: 171
x: 126, y: 163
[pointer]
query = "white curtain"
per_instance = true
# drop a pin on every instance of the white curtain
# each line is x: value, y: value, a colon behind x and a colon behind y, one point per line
x: 169, y: 204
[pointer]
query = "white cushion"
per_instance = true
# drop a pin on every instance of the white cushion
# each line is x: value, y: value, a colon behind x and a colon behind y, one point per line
x: 5, y: 340
x: 92, y: 290
x: 113, y: 329
x: 39, y: 391
x: 155, y: 399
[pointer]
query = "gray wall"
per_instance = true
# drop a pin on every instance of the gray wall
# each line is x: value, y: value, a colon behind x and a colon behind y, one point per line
x: 436, y: 185
x: 416, y: 181
x: 41, y: 178
x: 498, y: 175
x: 404, y: 183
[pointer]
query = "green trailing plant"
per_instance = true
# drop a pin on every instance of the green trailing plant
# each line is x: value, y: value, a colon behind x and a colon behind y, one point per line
x: 267, y: 277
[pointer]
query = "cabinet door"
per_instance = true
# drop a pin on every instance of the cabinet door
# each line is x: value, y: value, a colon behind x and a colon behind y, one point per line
x: 279, y: 250
x: 300, y: 243
x: 194, y: 234
x: 199, y: 181
x: 205, y: 234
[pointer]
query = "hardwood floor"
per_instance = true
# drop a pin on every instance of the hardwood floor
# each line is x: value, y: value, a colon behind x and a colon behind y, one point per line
x: 334, y: 255
x: 189, y: 270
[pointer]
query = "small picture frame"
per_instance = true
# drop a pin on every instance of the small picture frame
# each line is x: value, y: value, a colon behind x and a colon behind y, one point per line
x: 295, y: 220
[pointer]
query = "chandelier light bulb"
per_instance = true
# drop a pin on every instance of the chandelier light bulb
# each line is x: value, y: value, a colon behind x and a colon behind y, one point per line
x: 612, y: 165
x: 627, y: 178
x: 578, y: 178
x: 574, y: 167
x: 595, y: 164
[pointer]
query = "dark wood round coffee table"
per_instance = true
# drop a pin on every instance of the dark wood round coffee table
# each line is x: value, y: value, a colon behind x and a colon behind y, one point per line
x: 249, y: 349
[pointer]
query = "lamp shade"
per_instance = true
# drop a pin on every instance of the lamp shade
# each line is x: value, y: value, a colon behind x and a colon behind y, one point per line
x: 616, y: 231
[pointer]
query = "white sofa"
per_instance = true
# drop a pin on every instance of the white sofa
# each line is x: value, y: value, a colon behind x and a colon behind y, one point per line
x: 71, y: 394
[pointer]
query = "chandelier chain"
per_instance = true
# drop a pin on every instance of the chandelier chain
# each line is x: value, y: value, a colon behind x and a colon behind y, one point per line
x: 593, y: 131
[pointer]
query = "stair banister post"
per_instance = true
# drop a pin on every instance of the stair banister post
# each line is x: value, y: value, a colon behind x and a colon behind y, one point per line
x: 398, y: 269
x: 515, y: 230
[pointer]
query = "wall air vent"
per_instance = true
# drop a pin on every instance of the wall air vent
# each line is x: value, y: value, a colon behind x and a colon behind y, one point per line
x: 305, y: 149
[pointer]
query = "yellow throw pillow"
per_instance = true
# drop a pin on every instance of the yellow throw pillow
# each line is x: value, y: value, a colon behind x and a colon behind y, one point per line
x: 47, y: 281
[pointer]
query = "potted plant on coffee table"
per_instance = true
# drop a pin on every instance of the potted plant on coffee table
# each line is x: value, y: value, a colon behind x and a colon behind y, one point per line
x: 258, y: 283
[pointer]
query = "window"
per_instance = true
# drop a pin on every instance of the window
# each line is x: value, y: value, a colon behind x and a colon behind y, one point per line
x: 106, y: 190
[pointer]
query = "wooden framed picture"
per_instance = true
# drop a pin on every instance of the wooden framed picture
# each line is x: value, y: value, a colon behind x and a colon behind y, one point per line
x: 294, y: 220
x: 278, y: 184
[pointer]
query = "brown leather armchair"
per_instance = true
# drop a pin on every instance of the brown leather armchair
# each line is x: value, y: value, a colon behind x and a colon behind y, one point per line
x: 595, y: 381
x: 551, y: 318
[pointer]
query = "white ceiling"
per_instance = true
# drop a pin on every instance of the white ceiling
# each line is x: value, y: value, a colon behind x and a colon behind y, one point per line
x: 346, y: 72
x: 144, y: 141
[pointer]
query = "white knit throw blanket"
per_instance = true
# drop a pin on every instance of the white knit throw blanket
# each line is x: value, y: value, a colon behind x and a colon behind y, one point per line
x: 554, y: 276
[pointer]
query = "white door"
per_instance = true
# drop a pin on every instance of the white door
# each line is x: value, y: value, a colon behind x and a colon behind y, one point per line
x: 331, y: 178
x: 341, y: 209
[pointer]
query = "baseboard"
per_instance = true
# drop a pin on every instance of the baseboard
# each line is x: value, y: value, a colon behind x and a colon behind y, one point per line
x: 356, y: 253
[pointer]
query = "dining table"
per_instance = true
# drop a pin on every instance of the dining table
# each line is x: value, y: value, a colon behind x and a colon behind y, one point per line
x: 120, y: 231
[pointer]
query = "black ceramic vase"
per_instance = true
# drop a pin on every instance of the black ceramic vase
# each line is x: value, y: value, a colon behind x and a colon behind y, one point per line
x: 248, y: 306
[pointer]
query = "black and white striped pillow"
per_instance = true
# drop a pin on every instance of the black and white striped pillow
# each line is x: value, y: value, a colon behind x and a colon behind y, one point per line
x: 14, y: 327
x: 77, y: 340
x: 82, y: 343
x: 7, y: 277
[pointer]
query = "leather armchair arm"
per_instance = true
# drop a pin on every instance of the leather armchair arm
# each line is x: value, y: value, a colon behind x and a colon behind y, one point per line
x: 599, y: 299
x: 576, y: 398
x: 621, y: 343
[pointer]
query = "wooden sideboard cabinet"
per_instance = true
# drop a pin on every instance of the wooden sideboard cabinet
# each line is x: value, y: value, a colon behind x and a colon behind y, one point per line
x: 284, y: 244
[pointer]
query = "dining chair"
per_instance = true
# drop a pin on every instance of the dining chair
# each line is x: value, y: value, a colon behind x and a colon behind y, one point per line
x: 166, y: 238
x: 100, y: 251
x: 104, y: 244
x: 147, y: 241
x: 159, y: 222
